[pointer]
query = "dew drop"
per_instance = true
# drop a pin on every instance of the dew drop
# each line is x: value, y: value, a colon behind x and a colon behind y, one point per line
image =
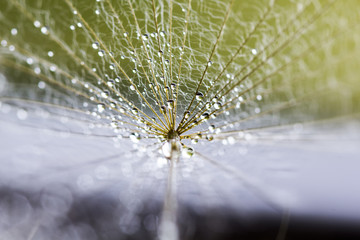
x: 52, y: 68
x: 37, y: 24
x: 170, y: 103
x: 97, y: 12
x: 205, y: 116
x: 100, y: 107
x: 72, y: 27
x: 126, y: 34
x: 134, y: 111
x: 50, y: 53
x: 209, y: 137
x: 259, y: 97
x: 254, y: 51
x: 186, y: 114
x: 117, y: 79
x: 132, y: 88
x: 95, y: 45
x: 187, y: 152
x: 135, y: 137
x: 199, y: 96
x: 105, y: 94
x: 217, y: 105
x: 79, y: 24
x: 37, y: 70
x: 162, y: 33
x: 14, y: 31
x: 11, y: 48
x: 44, y: 30
x: 212, y: 128
x: 3, y: 43
x: 209, y: 63
x: 110, y: 83
x: 101, y: 53
x: 29, y: 61
x: 112, y: 67
x: 41, y: 85
x: 145, y: 37
x: 113, y: 104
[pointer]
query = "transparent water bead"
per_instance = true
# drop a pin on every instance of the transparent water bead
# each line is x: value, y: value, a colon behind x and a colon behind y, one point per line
x: 199, y: 96
x: 101, y: 107
x: 145, y: 37
x: 135, y: 137
x: 95, y: 45
x: 37, y: 24
x: 217, y: 105
x: 14, y: 31
x: 187, y: 152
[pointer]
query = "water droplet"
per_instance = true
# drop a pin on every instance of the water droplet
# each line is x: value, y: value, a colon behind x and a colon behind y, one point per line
x: 186, y: 114
x: 126, y: 34
x: 37, y: 70
x: 135, y: 137
x: 11, y: 48
x: 72, y: 27
x: 105, y: 94
x: 44, y: 30
x: 259, y: 97
x: 37, y: 24
x: 134, y: 111
x: 112, y: 67
x: 97, y: 12
x: 205, y: 116
x: 100, y: 107
x: 95, y: 45
x: 132, y: 88
x: 29, y: 61
x: 254, y: 51
x: 170, y: 103
x: 257, y: 110
x: 52, y: 68
x: 209, y: 137
x: 199, y: 96
x: 14, y: 31
x: 187, y: 152
x: 50, y: 53
x: 217, y: 105
x: 160, y: 53
x: 212, y: 128
x: 110, y: 83
x: 3, y: 43
x: 209, y: 63
x: 117, y: 79
x: 41, y: 85
x: 101, y: 53
x: 228, y: 75
x: 162, y: 33
x: 75, y: 12
x: 113, y: 104
x: 145, y: 37
x: 79, y: 24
